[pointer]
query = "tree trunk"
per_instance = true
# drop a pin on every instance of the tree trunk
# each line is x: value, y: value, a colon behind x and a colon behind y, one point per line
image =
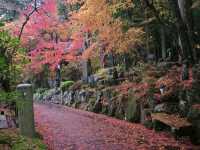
x: 163, y: 42
x: 187, y: 17
x: 85, y: 62
x: 185, y: 41
x: 147, y: 37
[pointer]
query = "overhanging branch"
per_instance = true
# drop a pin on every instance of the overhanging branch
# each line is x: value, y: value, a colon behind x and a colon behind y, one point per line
x: 27, y: 19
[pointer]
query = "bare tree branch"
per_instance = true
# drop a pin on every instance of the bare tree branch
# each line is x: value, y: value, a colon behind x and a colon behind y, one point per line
x: 27, y: 19
x: 151, y: 6
x: 196, y: 4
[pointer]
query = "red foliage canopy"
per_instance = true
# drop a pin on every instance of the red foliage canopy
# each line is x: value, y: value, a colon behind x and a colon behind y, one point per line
x: 43, y: 27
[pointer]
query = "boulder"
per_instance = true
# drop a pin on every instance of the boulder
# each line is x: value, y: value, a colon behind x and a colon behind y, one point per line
x: 167, y: 107
x: 160, y: 108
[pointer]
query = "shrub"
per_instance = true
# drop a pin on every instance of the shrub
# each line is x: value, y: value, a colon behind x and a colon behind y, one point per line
x: 1, y: 24
x: 41, y: 90
x: 12, y: 138
x: 72, y: 71
x: 9, y: 96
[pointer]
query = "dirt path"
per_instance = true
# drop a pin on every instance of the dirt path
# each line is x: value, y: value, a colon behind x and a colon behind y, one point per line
x: 69, y: 129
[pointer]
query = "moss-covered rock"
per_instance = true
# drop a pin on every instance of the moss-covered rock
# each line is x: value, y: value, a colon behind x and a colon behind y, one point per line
x: 112, y: 108
x: 167, y: 108
x: 105, y: 109
x: 76, y: 86
x: 76, y: 104
x: 91, y: 104
x: 132, y: 111
x: 97, y: 107
x: 66, y: 84
x: 119, y: 113
x: 120, y: 107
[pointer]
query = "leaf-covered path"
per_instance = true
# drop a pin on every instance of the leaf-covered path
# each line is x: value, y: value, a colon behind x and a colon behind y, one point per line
x: 69, y: 129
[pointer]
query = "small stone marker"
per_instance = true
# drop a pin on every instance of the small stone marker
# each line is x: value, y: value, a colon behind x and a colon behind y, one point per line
x: 25, y: 110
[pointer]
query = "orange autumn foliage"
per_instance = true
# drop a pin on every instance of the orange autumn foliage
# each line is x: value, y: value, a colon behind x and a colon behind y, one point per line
x: 97, y: 16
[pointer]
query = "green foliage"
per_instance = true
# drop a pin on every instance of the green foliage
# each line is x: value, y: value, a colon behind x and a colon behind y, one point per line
x: 130, y: 13
x: 72, y: 71
x: 7, y: 42
x: 63, y: 10
x: 95, y: 63
x: 3, y: 65
x: 75, y: 6
x: 17, y: 142
x: 41, y: 90
x: 66, y: 84
x: 9, y: 96
x: 9, y: 69
x: 24, y: 143
x: 1, y: 24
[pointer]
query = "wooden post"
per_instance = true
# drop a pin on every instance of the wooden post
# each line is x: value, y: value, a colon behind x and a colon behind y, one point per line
x: 25, y: 110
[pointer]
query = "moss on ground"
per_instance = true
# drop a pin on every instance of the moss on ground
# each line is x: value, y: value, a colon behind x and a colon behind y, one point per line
x: 11, y: 139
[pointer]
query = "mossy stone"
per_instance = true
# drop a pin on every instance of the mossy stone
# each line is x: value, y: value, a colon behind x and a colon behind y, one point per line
x: 132, y: 111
